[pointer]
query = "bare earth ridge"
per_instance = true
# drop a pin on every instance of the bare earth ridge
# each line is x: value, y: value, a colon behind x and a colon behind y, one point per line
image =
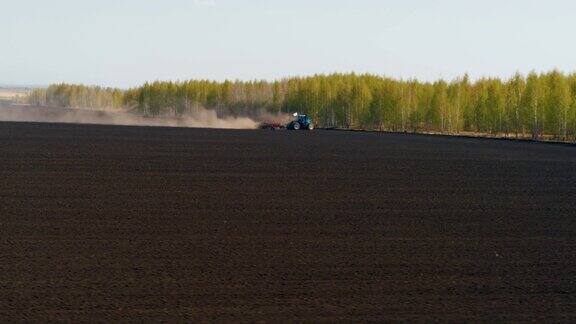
x: 141, y: 223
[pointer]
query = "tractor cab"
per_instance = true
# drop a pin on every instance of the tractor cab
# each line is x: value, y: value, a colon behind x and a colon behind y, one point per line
x: 301, y: 122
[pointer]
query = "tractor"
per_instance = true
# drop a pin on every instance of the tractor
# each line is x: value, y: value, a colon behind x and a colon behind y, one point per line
x: 301, y: 122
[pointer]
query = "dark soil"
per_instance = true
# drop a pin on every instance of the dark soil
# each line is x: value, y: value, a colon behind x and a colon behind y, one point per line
x: 111, y: 223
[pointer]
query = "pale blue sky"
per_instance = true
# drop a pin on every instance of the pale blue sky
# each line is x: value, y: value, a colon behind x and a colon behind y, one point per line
x: 126, y: 42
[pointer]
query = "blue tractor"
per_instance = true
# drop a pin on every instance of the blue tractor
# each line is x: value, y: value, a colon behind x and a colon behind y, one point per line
x: 301, y: 122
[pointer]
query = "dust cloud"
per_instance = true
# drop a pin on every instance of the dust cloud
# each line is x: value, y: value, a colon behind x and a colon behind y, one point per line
x: 201, y: 118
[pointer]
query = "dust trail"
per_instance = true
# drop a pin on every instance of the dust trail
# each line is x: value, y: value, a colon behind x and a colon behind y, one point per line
x: 279, y: 118
x: 201, y: 118
x: 209, y: 119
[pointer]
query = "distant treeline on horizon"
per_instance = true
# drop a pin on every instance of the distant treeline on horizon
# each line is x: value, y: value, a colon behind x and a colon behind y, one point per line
x: 534, y: 106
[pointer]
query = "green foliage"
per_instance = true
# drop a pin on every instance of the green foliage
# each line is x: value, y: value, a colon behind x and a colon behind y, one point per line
x: 536, y: 105
x: 77, y: 96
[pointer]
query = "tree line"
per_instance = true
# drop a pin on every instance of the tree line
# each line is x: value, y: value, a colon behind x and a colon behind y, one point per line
x: 77, y: 96
x: 536, y: 105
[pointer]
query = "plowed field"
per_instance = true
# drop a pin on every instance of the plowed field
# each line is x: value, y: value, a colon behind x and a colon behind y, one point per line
x: 140, y: 223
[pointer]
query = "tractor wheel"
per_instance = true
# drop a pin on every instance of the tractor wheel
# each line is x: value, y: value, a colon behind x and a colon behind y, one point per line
x: 296, y: 126
x: 310, y: 126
